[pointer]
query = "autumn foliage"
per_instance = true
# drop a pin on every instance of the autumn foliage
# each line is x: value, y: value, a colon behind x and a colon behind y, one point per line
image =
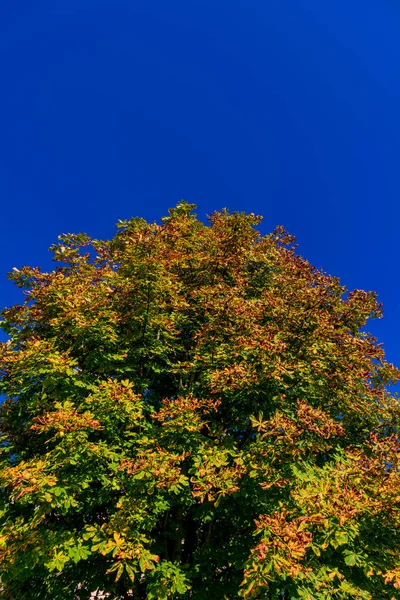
x: 193, y: 411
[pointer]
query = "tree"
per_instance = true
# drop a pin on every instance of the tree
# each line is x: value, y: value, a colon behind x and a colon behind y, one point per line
x: 194, y: 411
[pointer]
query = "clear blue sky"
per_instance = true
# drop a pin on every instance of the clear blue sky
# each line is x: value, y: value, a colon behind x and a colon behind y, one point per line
x: 290, y: 109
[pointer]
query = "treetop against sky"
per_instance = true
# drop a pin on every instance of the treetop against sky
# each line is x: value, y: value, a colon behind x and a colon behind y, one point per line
x: 194, y: 411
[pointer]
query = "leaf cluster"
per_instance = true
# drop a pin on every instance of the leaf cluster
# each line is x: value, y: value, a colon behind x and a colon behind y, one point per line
x: 194, y: 411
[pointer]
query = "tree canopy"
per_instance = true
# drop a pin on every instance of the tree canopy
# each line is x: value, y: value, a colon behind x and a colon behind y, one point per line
x: 193, y: 411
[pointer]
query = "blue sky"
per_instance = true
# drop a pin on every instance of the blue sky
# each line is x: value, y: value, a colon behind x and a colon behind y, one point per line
x: 290, y: 109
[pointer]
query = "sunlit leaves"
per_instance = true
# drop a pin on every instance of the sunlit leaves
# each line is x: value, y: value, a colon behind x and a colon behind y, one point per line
x: 194, y: 411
